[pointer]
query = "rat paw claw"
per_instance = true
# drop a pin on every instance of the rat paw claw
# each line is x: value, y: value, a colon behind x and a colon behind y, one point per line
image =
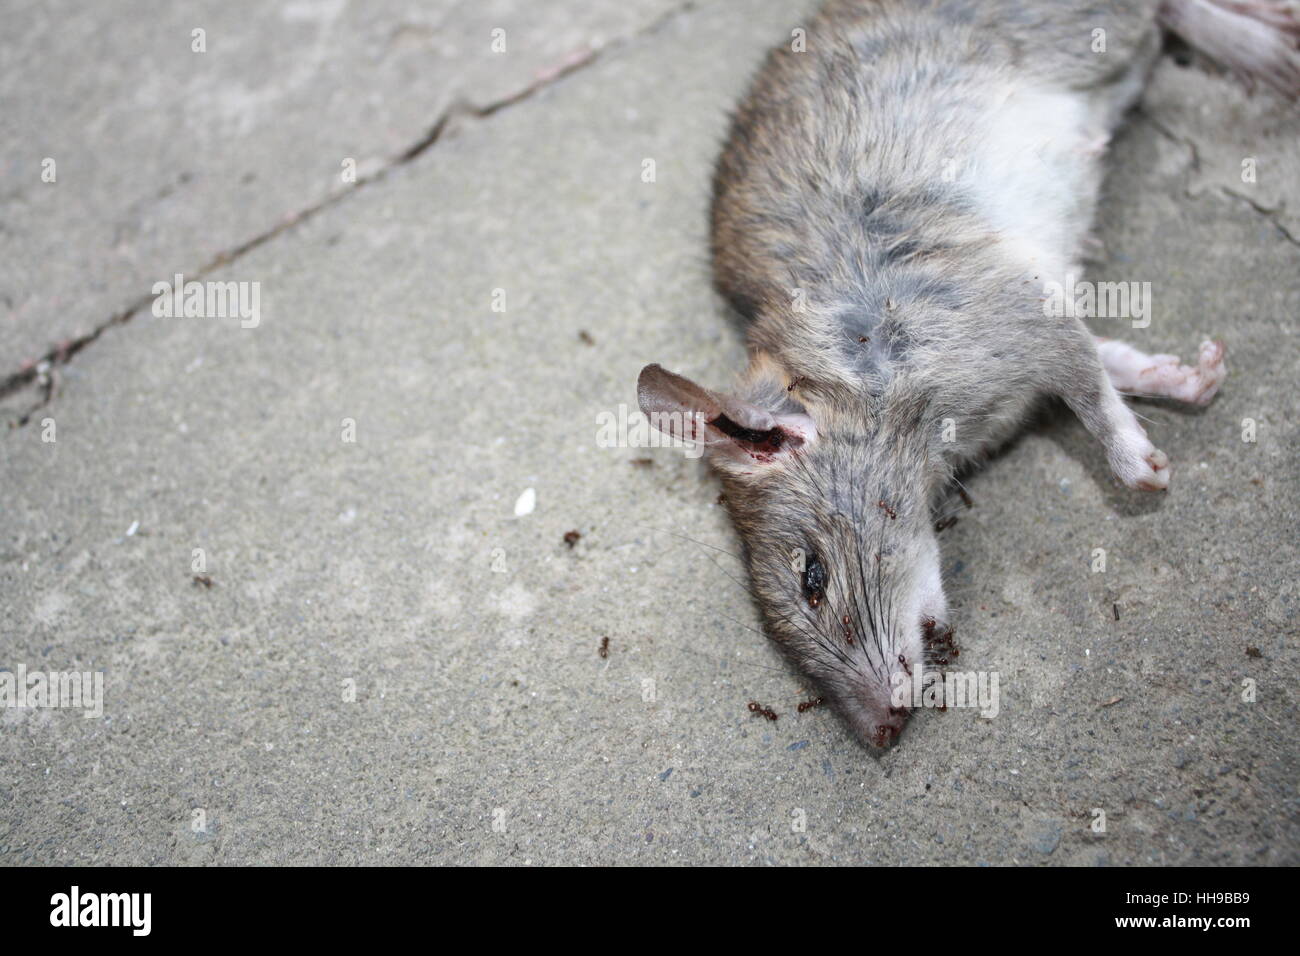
x: 1156, y: 477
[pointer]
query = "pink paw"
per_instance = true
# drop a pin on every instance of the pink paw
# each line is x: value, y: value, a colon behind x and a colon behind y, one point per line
x: 1198, y: 385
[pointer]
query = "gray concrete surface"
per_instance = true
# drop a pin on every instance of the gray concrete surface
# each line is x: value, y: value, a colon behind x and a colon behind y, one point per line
x: 485, y: 726
x: 167, y: 158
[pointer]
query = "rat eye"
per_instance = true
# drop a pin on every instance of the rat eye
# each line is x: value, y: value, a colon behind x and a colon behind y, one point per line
x: 814, y: 580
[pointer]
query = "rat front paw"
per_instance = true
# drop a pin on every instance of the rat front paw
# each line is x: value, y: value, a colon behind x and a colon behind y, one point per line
x: 1140, y: 464
x: 1154, y: 473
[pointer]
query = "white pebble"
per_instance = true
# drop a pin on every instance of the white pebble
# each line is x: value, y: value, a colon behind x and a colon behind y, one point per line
x: 526, y: 503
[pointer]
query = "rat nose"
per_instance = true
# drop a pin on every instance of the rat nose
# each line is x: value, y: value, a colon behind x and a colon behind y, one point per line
x: 887, y: 727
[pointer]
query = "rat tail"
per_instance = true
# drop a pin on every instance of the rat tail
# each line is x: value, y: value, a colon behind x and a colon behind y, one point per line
x: 1256, y: 39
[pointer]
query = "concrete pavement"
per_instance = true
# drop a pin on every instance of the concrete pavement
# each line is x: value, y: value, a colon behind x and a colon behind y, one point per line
x: 391, y: 664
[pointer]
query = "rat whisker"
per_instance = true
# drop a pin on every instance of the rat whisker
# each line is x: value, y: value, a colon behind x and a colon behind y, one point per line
x: 685, y: 537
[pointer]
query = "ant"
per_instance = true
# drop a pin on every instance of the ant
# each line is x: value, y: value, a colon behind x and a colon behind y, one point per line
x: 810, y: 704
x: 756, y: 708
x: 604, y: 647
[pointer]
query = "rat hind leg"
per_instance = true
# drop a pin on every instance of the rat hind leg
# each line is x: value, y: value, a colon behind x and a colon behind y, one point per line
x: 1084, y: 385
x: 1256, y: 39
x: 1133, y: 372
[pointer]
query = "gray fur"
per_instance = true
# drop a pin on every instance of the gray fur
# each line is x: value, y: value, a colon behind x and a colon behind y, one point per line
x: 913, y: 311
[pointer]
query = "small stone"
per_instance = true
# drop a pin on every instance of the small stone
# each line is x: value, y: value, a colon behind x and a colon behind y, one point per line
x: 526, y: 503
x: 1046, y: 838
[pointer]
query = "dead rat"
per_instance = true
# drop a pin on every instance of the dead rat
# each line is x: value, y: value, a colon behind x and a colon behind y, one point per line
x: 896, y: 196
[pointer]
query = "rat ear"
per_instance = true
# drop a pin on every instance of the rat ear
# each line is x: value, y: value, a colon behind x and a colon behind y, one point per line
x: 733, y: 432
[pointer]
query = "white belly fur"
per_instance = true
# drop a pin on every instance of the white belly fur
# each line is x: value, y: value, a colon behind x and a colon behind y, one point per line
x: 1034, y: 175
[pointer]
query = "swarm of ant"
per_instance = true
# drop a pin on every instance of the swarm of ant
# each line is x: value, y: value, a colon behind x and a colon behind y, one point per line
x: 940, y: 648
x: 939, y: 645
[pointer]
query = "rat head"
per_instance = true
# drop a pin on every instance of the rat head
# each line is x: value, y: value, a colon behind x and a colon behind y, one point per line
x: 831, y: 501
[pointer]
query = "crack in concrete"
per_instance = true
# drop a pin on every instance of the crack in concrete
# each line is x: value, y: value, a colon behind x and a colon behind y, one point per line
x: 1194, y: 165
x: 1173, y: 137
x: 41, y: 371
x: 1269, y: 214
